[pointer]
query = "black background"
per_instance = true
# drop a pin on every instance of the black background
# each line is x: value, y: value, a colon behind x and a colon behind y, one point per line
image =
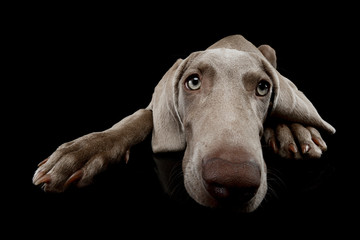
x: 71, y: 70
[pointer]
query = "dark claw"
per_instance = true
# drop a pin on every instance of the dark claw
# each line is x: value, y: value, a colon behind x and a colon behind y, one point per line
x: 293, y: 148
x: 305, y: 148
x: 74, y: 178
x: 320, y: 143
x: 272, y: 143
x: 42, y: 162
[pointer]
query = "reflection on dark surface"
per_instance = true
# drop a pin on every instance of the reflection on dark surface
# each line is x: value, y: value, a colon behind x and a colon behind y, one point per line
x: 289, y: 181
x: 168, y: 167
x: 149, y: 192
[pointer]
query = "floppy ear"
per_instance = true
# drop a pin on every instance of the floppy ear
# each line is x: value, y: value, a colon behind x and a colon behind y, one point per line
x: 292, y: 105
x: 168, y: 131
x: 269, y: 54
x: 289, y: 103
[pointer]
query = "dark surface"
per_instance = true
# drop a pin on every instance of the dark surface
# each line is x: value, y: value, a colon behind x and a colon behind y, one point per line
x: 76, y: 71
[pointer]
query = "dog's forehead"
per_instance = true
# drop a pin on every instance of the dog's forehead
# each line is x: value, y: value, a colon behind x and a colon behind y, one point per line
x: 224, y: 58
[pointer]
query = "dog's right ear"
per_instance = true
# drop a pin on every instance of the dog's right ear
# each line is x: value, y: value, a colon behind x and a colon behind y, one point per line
x: 168, y: 132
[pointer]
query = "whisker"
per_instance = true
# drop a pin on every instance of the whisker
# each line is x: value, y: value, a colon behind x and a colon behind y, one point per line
x: 176, y: 186
x: 275, y: 184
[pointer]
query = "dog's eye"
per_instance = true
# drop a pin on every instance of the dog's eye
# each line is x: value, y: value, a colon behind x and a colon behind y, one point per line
x: 262, y: 88
x: 193, y: 82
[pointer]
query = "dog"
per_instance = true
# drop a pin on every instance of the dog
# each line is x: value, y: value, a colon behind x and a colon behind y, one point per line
x: 214, y: 107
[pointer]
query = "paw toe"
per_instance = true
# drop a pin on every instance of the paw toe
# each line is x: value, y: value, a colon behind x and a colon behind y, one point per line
x: 41, y: 177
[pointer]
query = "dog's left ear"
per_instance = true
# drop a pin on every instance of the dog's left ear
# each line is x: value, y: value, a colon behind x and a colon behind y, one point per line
x: 292, y: 105
x: 269, y: 53
x: 289, y: 103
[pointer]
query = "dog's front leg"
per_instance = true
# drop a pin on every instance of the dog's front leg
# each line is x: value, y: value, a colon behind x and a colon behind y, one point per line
x: 78, y: 161
x: 294, y: 141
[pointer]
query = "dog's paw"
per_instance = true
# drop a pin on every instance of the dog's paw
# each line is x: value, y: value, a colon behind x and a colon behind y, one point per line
x: 78, y: 161
x: 295, y: 141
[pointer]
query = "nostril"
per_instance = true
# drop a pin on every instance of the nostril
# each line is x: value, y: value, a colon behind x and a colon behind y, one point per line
x: 244, y: 194
x: 218, y: 191
x: 231, y: 194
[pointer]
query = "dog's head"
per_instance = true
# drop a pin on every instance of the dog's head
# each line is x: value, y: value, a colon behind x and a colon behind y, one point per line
x: 212, y: 106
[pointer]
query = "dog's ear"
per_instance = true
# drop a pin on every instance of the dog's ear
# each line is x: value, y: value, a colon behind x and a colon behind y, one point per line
x: 168, y: 132
x: 292, y: 105
x: 289, y: 103
x: 269, y: 53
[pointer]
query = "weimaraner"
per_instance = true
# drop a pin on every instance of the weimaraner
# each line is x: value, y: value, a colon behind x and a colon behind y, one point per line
x: 212, y: 106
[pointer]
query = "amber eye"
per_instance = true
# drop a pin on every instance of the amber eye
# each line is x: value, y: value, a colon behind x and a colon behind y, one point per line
x: 262, y: 88
x: 193, y: 82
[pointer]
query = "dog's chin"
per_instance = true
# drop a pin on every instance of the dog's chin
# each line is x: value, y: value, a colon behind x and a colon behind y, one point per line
x: 198, y: 192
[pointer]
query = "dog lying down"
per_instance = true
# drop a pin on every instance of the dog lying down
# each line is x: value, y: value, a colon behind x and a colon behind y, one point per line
x: 211, y: 106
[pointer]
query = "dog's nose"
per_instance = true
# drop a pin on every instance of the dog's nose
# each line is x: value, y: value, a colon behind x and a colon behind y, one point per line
x: 231, y: 181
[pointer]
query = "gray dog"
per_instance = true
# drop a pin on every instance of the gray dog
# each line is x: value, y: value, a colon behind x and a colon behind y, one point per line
x: 212, y: 106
